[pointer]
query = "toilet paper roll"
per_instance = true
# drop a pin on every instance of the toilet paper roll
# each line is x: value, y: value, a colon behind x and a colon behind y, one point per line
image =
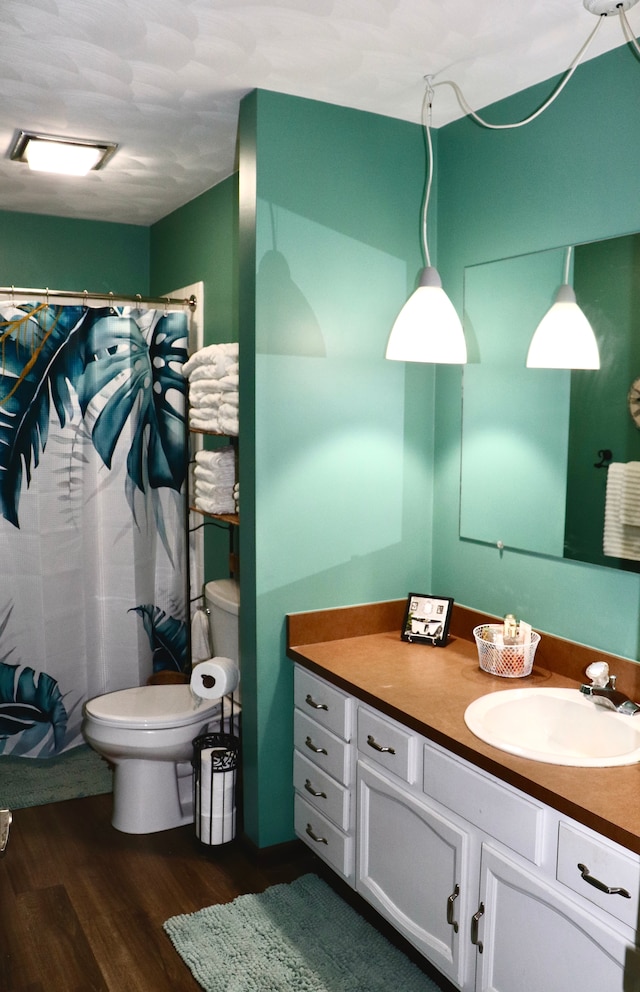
x: 214, y: 678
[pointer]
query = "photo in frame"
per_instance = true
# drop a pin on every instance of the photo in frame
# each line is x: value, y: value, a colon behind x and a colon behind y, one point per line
x: 427, y: 618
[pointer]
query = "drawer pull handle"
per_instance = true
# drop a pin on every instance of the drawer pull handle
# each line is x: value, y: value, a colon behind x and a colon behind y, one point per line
x: 314, y: 792
x: 372, y: 742
x: 318, y: 840
x: 614, y: 890
x: 475, y: 921
x: 310, y: 701
x: 450, y: 901
x: 312, y: 747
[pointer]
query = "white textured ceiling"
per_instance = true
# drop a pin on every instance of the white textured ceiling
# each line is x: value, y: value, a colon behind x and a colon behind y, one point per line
x: 164, y: 78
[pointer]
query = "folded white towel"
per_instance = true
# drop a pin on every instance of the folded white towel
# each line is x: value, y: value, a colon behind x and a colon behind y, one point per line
x: 203, y: 487
x: 211, y: 425
x: 217, y: 357
x: 200, y: 390
x: 213, y: 459
x: 228, y: 411
x: 228, y: 382
x: 619, y: 540
x: 218, y: 505
x: 230, y: 426
x: 630, y: 495
x: 224, y: 476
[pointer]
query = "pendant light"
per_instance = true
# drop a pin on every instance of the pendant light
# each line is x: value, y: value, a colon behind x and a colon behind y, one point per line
x: 564, y: 338
x: 427, y: 329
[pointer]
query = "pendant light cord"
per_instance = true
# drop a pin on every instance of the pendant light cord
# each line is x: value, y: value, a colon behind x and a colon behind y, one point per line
x: 554, y: 95
x: 628, y: 31
x: 427, y: 104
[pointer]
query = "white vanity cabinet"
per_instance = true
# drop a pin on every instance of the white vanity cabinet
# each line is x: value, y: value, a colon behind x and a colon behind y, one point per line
x: 410, y: 863
x: 324, y: 770
x: 528, y: 931
x: 498, y: 891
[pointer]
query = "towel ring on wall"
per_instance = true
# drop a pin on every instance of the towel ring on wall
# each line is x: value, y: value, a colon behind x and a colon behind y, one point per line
x: 605, y: 455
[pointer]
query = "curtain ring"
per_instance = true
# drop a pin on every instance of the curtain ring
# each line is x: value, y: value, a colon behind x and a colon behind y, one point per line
x: 13, y: 295
x: 111, y: 299
x: 46, y: 296
x: 85, y: 299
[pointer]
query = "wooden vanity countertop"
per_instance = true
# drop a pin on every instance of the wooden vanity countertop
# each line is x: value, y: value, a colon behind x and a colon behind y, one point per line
x: 428, y: 689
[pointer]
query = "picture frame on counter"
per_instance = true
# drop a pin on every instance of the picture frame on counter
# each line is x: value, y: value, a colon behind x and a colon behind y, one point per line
x: 426, y: 619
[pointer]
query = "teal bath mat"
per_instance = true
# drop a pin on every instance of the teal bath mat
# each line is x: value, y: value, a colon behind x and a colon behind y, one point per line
x: 38, y: 781
x: 300, y: 937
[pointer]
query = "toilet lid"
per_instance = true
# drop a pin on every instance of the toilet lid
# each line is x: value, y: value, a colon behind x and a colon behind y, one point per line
x: 151, y: 706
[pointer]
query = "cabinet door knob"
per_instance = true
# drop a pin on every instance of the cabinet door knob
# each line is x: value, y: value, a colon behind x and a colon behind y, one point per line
x: 372, y: 742
x: 318, y: 840
x: 310, y: 701
x: 450, y: 901
x: 614, y: 890
x: 312, y: 747
x: 314, y: 792
x: 475, y: 921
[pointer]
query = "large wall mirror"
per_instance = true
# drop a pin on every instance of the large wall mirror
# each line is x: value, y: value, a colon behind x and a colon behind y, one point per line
x: 546, y: 453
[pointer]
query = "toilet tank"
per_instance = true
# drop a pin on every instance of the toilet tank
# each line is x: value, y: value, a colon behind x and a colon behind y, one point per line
x: 222, y: 599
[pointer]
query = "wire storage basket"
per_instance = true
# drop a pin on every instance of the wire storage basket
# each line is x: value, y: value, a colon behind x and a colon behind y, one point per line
x: 510, y: 661
x: 215, y: 765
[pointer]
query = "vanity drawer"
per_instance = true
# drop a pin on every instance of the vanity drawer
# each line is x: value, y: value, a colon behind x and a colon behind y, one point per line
x: 322, y: 747
x: 324, y: 703
x: 387, y: 743
x: 609, y: 866
x: 508, y: 816
x: 324, y: 838
x: 321, y: 791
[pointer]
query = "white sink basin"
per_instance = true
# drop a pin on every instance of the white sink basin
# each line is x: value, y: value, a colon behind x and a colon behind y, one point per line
x: 558, y: 726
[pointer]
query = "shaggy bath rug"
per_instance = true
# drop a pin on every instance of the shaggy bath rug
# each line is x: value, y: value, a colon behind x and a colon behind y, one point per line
x: 300, y: 937
x: 38, y: 781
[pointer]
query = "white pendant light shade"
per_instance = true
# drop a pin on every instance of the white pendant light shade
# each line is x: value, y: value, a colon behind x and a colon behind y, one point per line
x: 428, y: 329
x: 564, y: 338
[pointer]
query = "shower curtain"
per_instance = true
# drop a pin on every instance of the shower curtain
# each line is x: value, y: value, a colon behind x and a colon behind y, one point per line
x: 92, y: 532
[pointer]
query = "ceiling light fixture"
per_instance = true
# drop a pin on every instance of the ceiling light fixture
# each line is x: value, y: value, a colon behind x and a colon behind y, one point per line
x: 61, y: 155
x: 564, y: 338
x: 428, y: 329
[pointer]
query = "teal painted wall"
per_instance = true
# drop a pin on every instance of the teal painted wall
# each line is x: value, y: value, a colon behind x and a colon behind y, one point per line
x: 343, y: 438
x: 566, y: 178
x: 199, y: 242
x: 61, y: 253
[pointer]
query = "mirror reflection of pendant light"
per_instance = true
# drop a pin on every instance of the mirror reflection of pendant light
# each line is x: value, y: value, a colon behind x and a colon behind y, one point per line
x: 427, y: 329
x: 564, y: 338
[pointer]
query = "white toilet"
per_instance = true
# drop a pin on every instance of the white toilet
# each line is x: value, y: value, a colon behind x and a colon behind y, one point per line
x: 147, y: 732
x: 222, y: 599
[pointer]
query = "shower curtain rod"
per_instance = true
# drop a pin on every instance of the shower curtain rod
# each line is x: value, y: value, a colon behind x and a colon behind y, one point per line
x: 111, y: 298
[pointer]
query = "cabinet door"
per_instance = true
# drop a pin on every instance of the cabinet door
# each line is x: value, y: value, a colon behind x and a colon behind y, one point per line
x: 534, y: 938
x: 411, y: 863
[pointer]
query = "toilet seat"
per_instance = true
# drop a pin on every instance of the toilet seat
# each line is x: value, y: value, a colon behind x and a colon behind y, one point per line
x: 150, y: 707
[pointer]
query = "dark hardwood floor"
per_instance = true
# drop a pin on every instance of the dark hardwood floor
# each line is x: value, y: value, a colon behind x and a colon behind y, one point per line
x: 82, y: 905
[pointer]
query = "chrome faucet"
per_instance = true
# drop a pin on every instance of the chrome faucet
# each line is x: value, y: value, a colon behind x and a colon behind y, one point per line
x: 603, y: 690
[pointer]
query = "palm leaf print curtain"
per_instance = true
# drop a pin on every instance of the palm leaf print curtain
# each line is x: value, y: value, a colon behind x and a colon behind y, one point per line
x: 92, y: 535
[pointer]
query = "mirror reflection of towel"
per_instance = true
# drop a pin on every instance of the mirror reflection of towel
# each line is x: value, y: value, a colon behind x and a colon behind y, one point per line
x: 630, y: 495
x: 620, y: 540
